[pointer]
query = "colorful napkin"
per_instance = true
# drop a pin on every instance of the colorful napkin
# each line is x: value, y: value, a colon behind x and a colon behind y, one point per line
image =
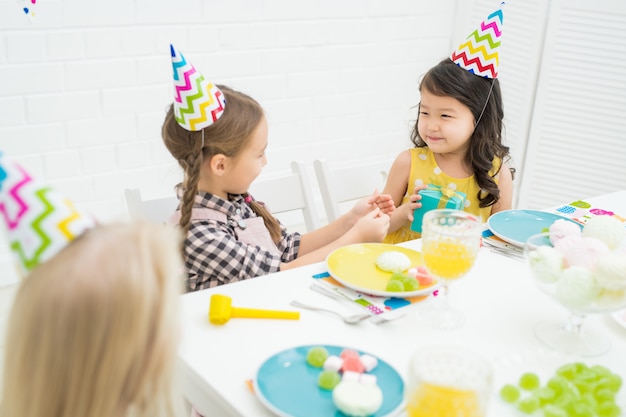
x: 39, y: 222
x: 581, y: 211
x: 198, y: 103
x: 479, y: 53
x: 374, y: 304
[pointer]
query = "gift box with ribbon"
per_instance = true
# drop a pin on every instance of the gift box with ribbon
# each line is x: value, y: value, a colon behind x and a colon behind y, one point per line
x: 436, y: 197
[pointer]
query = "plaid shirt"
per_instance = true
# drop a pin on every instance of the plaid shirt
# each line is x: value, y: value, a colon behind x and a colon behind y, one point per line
x: 214, y: 256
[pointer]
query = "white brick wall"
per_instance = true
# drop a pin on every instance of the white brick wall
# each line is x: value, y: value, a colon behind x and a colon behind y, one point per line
x: 84, y: 85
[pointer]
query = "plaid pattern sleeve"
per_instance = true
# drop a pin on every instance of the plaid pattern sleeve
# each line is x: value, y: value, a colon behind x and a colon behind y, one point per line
x: 289, y: 245
x: 215, y: 257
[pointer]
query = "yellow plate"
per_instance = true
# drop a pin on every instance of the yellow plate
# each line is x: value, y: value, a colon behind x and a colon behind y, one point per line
x: 355, y: 267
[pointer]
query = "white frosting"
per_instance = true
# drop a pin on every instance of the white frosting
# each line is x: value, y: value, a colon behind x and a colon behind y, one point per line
x: 393, y: 261
x: 356, y: 399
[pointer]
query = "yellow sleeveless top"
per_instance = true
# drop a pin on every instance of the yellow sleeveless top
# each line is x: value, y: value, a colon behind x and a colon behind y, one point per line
x: 424, y: 170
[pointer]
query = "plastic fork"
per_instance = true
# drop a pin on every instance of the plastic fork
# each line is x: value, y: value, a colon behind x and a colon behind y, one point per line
x: 350, y: 319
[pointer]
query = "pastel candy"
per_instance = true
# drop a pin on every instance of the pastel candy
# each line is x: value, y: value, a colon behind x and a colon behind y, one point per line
x: 353, y: 364
x: 610, y: 271
x: 607, y: 229
x: 546, y: 263
x: 333, y: 363
x: 369, y: 362
x: 577, y: 288
x: 561, y: 228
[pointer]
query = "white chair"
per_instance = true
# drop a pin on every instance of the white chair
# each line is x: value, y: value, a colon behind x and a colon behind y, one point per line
x: 344, y: 184
x: 288, y: 193
x: 283, y: 194
x: 157, y: 210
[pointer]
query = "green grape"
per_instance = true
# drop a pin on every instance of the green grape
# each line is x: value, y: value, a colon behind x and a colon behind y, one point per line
x: 316, y: 356
x: 600, y: 370
x: 580, y: 410
x: 552, y: 410
x: 529, y: 381
x: 565, y: 399
x: 528, y: 405
x: 567, y: 371
x: 612, y: 382
x: 394, y: 286
x: 609, y: 409
x: 558, y: 384
x: 328, y: 379
x: 604, y: 394
x: 509, y: 393
x: 588, y: 399
x: 545, y: 395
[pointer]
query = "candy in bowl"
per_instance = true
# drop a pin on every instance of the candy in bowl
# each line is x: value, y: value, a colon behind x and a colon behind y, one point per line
x: 584, y: 270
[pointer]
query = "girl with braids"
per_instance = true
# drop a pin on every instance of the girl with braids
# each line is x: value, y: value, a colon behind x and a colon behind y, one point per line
x: 457, y: 138
x: 220, y: 144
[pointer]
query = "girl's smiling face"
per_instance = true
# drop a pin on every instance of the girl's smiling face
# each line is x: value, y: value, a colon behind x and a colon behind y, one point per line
x: 445, y: 124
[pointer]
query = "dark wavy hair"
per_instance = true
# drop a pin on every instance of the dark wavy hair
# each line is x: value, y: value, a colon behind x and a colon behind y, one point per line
x: 448, y: 79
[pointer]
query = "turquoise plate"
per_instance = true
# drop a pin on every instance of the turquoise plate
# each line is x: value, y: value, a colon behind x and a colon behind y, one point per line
x: 287, y: 385
x: 516, y: 226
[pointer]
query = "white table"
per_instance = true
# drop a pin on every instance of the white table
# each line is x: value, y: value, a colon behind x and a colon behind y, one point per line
x: 500, y: 301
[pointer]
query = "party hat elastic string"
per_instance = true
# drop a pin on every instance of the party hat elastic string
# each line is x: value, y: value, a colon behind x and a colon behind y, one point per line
x: 486, y: 102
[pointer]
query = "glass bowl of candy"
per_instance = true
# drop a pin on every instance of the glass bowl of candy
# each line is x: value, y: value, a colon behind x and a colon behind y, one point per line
x: 584, y: 270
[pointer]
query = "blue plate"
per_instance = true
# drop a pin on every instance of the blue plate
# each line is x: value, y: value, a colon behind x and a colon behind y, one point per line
x: 516, y: 226
x: 287, y: 385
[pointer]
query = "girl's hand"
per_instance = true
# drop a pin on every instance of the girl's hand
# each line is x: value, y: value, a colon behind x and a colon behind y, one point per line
x: 415, y: 200
x: 372, y: 227
x: 384, y: 202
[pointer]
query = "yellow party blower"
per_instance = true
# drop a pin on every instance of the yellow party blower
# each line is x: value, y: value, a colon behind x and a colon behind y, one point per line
x: 221, y: 310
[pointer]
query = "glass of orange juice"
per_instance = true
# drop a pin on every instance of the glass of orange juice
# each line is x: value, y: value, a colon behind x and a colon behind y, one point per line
x: 445, y: 381
x: 450, y: 244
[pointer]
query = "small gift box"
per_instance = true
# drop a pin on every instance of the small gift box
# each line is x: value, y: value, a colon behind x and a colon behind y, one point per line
x: 436, y: 197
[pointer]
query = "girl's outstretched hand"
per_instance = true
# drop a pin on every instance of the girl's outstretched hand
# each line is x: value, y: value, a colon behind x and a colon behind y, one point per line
x: 372, y: 227
x: 384, y: 202
x: 415, y: 200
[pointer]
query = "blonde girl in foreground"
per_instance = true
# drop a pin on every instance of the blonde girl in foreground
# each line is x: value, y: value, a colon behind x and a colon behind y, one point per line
x: 93, y: 331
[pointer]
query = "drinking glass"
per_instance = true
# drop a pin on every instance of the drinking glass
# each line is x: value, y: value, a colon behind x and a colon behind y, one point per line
x: 445, y: 381
x: 575, y: 290
x: 450, y: 243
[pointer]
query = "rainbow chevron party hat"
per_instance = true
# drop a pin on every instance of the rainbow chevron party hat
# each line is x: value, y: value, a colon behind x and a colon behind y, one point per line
x: 198, y: 103
x: 479, y: 53
x: 39, y: 222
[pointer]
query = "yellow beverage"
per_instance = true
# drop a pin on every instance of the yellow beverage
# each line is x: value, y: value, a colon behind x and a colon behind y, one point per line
x: 430, y: 400
x: 448, y: 260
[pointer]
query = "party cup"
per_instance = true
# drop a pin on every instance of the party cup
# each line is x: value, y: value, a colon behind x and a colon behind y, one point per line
x: 446, y: 381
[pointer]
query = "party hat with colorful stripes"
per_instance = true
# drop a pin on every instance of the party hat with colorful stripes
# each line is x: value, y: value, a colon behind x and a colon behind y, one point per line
x: 479, y: 53
x: 39, y: 221
x: 198, y: 103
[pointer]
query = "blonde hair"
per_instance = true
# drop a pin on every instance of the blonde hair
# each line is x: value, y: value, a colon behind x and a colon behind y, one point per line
x: 93, y: 331
x: 229, y: 135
